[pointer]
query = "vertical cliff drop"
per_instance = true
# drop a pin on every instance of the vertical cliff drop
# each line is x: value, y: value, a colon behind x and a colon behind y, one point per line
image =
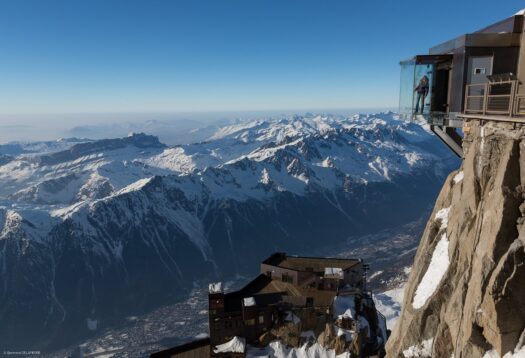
x: 466, y: 292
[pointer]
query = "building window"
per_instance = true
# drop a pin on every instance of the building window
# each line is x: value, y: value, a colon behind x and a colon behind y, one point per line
x: 480, y: 71
x: 287, y: 278
x: 309, y: 301
x: 250, y: 322
x: 261, y: 319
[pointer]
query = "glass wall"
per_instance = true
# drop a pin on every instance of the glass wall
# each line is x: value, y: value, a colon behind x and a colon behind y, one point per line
x: 406, y: 90
x: 415, y: 91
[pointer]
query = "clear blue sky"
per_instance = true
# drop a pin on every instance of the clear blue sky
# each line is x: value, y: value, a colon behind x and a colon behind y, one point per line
x: 76, y: 56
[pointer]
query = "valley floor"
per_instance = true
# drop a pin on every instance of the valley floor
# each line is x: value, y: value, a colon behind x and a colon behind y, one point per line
x: 389, y: 252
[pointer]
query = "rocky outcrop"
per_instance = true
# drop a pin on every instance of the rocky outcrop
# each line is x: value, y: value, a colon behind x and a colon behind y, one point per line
x: 351, y: 327
x: 466, y: 292
x: 330, y: 339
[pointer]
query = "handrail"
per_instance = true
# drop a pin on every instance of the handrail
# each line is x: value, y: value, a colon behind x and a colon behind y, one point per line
x: 519, y: 105
x: 475, y: 98
x: 494, y: 98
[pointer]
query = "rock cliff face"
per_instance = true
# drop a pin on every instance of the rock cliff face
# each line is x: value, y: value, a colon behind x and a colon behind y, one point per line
x: 466, y: 292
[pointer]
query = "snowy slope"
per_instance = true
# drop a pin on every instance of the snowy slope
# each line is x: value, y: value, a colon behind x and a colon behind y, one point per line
x: 288, y: 154
x: 16, y: 148
x: 96, y: 230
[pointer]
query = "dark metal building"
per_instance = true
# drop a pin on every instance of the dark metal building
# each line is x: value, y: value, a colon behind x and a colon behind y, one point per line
x: 474, y: 74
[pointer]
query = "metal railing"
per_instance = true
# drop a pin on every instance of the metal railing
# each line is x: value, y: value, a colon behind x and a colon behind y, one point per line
x: 498, y: 98
x: 519, y: 105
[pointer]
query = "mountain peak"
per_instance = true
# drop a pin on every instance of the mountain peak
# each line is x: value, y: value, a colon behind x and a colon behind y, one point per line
x: 138, y: 140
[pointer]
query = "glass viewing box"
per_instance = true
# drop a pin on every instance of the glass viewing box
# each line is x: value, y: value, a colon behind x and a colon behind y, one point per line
x: 410, y: 101
x: 431, y: 72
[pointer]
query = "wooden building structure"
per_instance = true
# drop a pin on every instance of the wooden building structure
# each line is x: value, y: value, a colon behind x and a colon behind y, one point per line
x: 296, y: 289
x: 288, y: 287
x: 314, y: 272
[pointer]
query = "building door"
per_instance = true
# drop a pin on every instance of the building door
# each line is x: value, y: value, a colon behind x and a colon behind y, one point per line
x: 479, y: 67
x: 440, y: 95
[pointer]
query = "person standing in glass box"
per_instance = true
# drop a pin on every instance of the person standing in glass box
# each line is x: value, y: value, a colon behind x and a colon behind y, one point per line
x: 422, y: 91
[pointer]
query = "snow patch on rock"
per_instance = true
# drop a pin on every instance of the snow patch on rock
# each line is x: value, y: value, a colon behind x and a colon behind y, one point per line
x: 422, y: 350
x: 436, y: 270
x: 139, y: 184
x: 215, y: 287
x: 173, y: 159
x: 277, y: 349
x: 265, y: 177
x: 459, y: 177
x: 389, y: 303
x: 235, y: 345
x: 518, y: 353
x: 344, y: 306
x: 442, y: 215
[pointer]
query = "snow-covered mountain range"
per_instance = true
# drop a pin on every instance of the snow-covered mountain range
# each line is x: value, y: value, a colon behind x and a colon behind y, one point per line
x: 91, y: 231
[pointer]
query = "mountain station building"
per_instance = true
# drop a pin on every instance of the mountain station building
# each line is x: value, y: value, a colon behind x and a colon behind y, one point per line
x: 476, y: 75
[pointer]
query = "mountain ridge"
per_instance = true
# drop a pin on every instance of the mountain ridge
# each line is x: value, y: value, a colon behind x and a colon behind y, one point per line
x: 100, y: 233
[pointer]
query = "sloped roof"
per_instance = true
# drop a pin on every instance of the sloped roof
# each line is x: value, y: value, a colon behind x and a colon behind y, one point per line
x: 266, y: 291
x: 304, y: 263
